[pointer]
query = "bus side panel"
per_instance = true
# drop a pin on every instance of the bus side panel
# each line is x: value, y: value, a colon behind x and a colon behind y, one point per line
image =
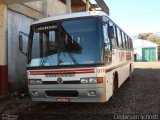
x: 109, y: 84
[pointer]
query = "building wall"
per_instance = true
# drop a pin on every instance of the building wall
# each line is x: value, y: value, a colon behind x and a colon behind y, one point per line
x: 55, y: 7
x: 37, y: 9
x: 20, y: 17
x: 138, y: 52
x: 16, y: 60
x: 37, y: 5
x: 139, y: 56
x: 139, y: 44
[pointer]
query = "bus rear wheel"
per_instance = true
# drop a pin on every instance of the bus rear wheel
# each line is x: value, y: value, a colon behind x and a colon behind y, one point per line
x: 115, y: 84
x: 130, y: 73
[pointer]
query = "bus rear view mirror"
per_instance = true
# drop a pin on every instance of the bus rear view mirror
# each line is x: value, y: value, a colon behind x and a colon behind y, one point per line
x: 111, y: 32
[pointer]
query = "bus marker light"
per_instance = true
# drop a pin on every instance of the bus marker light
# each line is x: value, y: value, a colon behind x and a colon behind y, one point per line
x: 34, y: 93
x: 91, y: 93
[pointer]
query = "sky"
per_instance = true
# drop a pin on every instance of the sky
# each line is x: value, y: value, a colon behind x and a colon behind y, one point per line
x: 135, y: 16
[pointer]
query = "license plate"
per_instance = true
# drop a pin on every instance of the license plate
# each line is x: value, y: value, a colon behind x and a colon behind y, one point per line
x: 62, y: 100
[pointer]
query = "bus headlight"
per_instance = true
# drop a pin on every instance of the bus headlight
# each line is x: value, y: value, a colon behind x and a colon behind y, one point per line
x: 92, y: 80
x: 97, y: 80
x: 84, y: 80
x: 35, y: 82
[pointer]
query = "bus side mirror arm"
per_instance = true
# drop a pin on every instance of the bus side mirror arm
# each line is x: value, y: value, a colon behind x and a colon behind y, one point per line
x: 21, y: 42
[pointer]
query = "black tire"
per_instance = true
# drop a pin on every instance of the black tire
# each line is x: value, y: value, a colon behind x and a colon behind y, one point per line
x: 130, y: 74
x: 115, y: 84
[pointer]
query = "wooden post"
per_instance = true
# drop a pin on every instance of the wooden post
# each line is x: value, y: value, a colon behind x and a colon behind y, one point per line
x: 45, y: 9
x: 103, y: 5
x: 69, y: 6
x: 87, y: 5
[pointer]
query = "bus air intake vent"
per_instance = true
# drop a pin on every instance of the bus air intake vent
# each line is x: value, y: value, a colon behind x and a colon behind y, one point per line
x: 62, y: 93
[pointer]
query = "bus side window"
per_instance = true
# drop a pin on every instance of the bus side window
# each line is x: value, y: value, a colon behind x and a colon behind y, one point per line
x: 119, y: 36
x: 106, y: 38
x: 107, y: 44
x: 112, y: 35
x: 128, y: 42
x: 124, y: 40
x: 131, y: 44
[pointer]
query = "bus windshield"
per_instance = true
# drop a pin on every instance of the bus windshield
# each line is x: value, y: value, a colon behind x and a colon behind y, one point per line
x: 68, y: 42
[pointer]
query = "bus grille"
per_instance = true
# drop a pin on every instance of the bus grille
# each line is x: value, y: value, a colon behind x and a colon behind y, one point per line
x: 64, y: 82
x: 62, y: 93
x: 60, y: 75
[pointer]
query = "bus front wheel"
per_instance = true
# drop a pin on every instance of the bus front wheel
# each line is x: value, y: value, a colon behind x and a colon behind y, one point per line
x: 115, y: 83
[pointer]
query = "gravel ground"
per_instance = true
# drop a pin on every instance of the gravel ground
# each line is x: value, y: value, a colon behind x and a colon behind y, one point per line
x: 139, y: 96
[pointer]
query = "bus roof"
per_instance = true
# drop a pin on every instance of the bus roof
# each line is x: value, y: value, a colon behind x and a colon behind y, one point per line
x: 71, y: 15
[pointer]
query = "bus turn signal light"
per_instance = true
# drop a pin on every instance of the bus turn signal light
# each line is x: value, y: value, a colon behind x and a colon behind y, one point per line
x: 100, y: 80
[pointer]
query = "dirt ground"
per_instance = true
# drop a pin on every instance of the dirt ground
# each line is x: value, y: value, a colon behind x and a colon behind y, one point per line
x: 138, y: 96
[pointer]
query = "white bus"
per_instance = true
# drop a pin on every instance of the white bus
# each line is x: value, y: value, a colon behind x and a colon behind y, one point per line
x: 77, y: 57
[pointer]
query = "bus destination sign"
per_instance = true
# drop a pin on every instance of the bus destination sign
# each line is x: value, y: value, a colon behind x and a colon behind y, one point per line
x: 49, y: 27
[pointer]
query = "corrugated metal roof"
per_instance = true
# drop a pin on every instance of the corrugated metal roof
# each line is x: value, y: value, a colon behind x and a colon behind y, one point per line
x: 139, y: 43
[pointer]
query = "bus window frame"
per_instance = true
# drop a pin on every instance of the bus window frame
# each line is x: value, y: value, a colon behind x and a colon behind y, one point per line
x: 105, y: 21
x: 115, y: 38
x: 119, y: 38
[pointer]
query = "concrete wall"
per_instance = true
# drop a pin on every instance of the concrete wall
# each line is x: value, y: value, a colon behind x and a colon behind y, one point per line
x: 37, y: 5
x: 16, y: 60
x: 55, y: 7
x: 37, y: 9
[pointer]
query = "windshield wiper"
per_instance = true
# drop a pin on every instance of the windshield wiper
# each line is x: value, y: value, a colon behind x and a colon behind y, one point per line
x: 71, y: 56
x: 64, y: 48
x: 43, y: 61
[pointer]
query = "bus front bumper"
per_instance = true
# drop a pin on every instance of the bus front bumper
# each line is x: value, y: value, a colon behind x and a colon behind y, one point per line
x: 68, y: 93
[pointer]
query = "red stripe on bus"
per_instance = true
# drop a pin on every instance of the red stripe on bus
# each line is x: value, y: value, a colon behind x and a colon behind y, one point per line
x: 78, y: 71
